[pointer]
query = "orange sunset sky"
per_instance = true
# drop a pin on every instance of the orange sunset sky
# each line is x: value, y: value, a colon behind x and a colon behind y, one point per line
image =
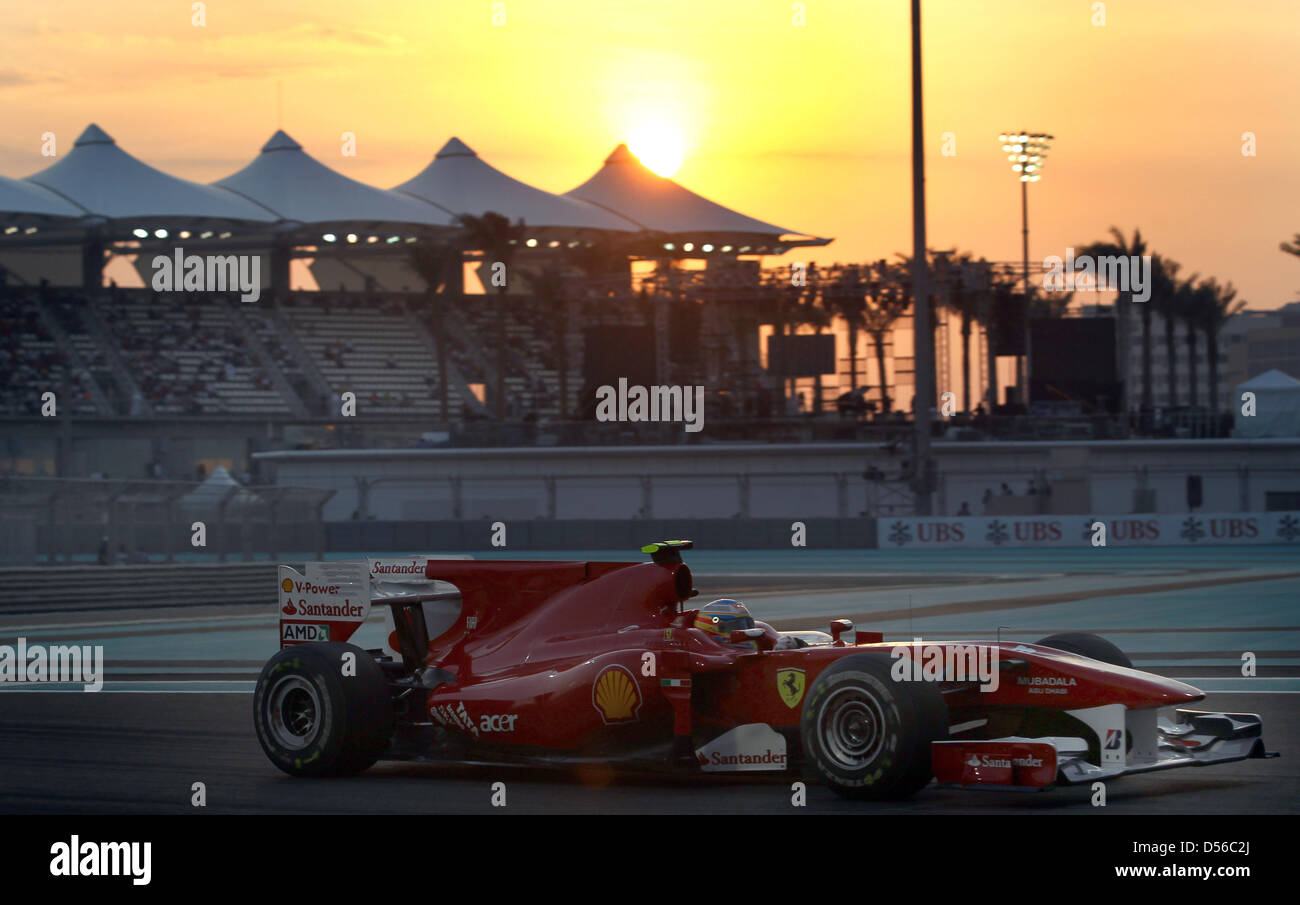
x: 805, y: 126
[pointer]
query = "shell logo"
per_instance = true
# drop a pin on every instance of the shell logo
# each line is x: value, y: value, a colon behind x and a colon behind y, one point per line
x: 286, y: 585
x: 615, y: 695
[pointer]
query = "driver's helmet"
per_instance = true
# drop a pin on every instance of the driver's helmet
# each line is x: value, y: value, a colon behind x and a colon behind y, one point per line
x: 722, y: 617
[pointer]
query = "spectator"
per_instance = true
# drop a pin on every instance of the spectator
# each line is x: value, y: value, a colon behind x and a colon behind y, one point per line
x: 1006, y: 490
x: 964, y: 510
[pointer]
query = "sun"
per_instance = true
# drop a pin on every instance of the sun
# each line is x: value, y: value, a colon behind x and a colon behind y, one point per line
x: 659, y: 147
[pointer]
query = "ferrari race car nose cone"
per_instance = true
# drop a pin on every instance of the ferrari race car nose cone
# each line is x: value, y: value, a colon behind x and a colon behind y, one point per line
x: 294, y: 712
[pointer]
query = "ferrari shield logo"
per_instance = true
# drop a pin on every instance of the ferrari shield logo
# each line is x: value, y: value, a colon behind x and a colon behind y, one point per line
x: 790, y: 682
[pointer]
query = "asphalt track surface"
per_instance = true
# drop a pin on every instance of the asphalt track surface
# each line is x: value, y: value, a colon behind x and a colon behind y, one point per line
x: 176, y: 708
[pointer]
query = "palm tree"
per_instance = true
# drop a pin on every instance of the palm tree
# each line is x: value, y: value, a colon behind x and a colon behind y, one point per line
x: 599, y: 259
x: 1049, y: 305
x: 1137, y: 247
x: 1166, y: 300
x: 1220, y: 304
x: 845, y: 298
x: 889, y: 300
x: 433, y: 261
x: 1196, y: 298
x: 811, y: 310
x: 1292, y: 247
x: 493, y: 235
x: 965, y: 279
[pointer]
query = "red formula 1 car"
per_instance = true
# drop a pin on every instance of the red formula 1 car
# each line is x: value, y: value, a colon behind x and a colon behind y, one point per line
x: 573, y: 662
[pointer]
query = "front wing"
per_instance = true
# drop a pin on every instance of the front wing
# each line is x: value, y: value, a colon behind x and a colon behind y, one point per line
x: 1194, y: 738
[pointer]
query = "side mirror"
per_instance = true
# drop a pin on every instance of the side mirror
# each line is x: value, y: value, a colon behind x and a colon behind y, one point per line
x: 839, y: 627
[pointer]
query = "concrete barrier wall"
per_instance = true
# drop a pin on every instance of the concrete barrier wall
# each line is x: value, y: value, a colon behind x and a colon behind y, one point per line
x: 594, y: 534
x: 1143, y: 530
x: 795, y: 481
x: 17, y: 540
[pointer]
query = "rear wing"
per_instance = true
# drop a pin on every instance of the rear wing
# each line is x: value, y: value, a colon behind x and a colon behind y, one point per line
x: 330, y: 601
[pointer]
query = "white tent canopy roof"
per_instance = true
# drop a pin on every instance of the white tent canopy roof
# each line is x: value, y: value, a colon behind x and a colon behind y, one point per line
x: 1277, y: 406
x: 301, y: 189
x: 624, y: 185
x: 19, y: 197
x: 216, y: 487
x: 105, y: 181
x: 460, y: 182
x: 1271, y: 380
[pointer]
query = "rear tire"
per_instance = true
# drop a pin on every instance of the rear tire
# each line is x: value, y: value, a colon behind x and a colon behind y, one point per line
x: 312, y: 720
x: 868, y: 736
x: 1087, y: 645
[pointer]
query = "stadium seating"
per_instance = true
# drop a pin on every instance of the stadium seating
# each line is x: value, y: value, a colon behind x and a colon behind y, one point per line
x: 369, y: 350
x: 187, y: 355
x: 532, y: 379
x: 33, y: 363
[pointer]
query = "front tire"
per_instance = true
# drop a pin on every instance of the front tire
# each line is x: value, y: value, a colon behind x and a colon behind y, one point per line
x: 1084, y: 644
x: 312, y: 720
x: 868, y: 736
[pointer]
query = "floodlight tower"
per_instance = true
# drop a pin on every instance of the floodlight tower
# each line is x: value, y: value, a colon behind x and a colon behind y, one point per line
x: 923, y: 478
x: 1027, y: 152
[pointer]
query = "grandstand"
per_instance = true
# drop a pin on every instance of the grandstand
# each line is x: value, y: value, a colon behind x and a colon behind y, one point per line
x: 34, y: 362
x: 187, y: 355
x: 533, y: 379
x: 132, y: 352
x: 140, y: 353
x: 374, y: 351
